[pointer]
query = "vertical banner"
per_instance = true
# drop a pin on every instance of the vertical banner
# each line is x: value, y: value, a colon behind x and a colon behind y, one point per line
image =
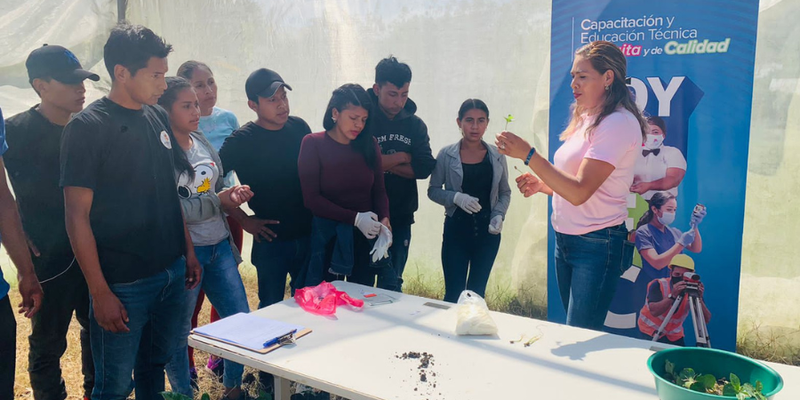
x: 690, y: 68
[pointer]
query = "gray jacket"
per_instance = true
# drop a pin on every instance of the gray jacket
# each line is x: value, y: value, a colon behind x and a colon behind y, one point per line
x: 205, y: 207
x: 448, y: 172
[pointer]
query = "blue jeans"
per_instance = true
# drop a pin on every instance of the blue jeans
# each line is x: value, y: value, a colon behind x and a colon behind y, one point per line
x: 223, y: 286
x: 588, y: 268
x: 152, y: 304
x: 401, y: 240
x: 273, y: 261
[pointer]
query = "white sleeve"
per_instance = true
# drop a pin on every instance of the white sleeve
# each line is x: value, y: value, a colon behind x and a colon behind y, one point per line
x: 673, y: 158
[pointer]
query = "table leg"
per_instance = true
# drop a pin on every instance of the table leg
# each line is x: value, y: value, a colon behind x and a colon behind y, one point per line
x: 282, y: 389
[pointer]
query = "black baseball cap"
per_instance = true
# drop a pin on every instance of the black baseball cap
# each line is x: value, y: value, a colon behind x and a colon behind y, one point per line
x: 263, y: 83
x: 58, y: 63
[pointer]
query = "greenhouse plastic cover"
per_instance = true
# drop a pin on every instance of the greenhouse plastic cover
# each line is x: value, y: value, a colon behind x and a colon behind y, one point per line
x: 495, y: 50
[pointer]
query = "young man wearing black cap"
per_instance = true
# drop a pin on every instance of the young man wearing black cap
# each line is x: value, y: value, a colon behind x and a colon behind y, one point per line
x: 124, y: 219
x: 406, y: 153
x: 264, y: 155
x: 32, y: 161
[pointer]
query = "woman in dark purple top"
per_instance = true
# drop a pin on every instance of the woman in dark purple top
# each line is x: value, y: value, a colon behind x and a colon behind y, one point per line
x: 342, y: 183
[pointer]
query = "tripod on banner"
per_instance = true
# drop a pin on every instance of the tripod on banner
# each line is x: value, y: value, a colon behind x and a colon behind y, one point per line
x: 692, y: 291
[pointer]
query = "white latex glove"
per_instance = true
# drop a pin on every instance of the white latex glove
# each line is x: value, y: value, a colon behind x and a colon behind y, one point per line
x: 467, y: 203
x: 381, y: 248
x: 687, y: 238
x: 496, y: 225
x: 367, y: 223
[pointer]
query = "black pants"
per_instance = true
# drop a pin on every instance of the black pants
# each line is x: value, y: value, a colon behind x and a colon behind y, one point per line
x: 468, y: 253
x: 63, y: 295
x: 8, y: 348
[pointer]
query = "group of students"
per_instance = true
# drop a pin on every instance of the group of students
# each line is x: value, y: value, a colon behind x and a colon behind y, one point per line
x: 132, y: 213
x: 148, y: 221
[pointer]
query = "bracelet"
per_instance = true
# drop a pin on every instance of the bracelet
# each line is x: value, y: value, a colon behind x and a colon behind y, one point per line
x: 530, y: 154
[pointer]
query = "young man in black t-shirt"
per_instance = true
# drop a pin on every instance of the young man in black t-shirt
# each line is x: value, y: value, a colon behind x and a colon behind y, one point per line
x: 27, y: 283
x: 32, y: 161
x: 124, y: 219
x: 406, y: 154
x: 264, y: 155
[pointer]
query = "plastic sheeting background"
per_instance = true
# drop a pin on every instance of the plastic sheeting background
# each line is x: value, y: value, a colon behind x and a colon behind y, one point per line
x: 495, y: 50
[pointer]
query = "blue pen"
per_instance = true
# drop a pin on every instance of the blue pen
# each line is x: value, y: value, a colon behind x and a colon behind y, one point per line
x: 280, y: 339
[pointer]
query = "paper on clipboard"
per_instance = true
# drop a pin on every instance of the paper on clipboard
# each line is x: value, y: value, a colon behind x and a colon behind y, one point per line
x: 250, y: 331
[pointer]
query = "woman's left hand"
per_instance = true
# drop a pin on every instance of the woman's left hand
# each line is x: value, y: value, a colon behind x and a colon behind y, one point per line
x: 512, y: 145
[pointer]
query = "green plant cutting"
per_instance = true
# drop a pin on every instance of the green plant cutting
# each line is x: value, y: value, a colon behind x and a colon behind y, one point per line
x: 509, y: 118
x: 707, y: 383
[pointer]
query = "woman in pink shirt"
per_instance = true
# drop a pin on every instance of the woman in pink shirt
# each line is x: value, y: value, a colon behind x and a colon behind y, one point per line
x: 589, y: 181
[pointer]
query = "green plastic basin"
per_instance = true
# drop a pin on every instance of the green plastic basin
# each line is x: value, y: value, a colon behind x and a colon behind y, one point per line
x: 710, y: 361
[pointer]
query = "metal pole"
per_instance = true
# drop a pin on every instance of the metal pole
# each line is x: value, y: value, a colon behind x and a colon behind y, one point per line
x: 122, y: 6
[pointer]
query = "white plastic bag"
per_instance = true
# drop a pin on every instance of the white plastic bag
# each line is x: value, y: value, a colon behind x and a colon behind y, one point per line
x: 473, y: 316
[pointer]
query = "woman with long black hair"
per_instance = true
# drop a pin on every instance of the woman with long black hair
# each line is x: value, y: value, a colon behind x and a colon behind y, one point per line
x: 204, y: 203
x: 471, y: 182
x: 342, y: 182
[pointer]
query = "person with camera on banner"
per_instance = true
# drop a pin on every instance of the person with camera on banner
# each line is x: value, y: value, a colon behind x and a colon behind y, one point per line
x: 661, y: 295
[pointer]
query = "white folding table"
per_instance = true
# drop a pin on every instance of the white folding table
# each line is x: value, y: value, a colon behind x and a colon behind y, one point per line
x: 359, y: 355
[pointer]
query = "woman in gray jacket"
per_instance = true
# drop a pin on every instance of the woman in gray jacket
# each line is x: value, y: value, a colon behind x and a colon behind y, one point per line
x: 200, y: 182
x: 475, y: 196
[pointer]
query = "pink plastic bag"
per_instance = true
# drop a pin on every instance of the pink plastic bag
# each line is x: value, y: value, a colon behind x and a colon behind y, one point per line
x: 324, y: 298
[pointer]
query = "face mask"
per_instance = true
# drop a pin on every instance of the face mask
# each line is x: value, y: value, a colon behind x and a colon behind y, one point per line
x: 676, y: 279
x: 667, y: 218
x: 653, y: 141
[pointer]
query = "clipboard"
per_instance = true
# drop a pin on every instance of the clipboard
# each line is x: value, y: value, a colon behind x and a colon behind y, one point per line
x: 265, y: 350
x: 252, y: 332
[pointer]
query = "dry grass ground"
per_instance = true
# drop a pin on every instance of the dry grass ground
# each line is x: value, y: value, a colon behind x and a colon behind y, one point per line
x: 767, y: 344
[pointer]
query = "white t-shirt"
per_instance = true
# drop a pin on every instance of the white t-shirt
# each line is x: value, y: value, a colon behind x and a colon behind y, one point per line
x: 653, y: 167
x: 617, y: 141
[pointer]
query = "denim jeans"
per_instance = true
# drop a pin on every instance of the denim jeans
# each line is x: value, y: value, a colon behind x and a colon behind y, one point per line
x: 468, y: 254
x: 365, y: 272
x: 273, y: 261
x: 8, y: 348
x: 588, y: 268
x: 401, y: 240
x: 64, y: 295
x: 152, y: 305
x: 223, y: 286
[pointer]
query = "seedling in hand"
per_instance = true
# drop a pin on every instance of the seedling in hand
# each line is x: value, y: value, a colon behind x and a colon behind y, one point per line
x: 509, y: 119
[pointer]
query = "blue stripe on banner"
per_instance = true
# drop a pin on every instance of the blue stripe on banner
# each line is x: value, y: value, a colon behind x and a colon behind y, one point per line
x: 708, y: 122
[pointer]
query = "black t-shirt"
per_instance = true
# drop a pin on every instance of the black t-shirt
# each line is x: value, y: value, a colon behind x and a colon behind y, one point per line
x: 477, y: 182
x: 32, y: 161
x: 267, y: 161
x: 124, y: 156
